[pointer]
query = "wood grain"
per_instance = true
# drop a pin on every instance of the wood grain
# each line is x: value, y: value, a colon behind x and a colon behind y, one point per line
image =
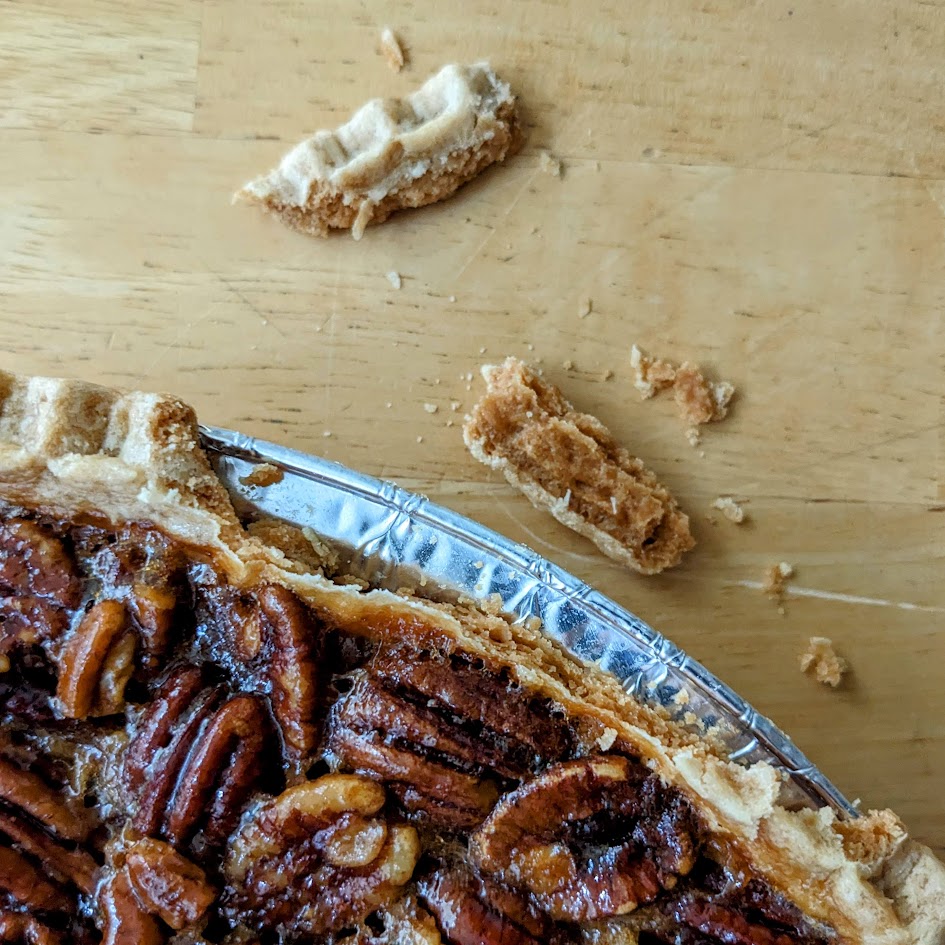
x: 755, y: 186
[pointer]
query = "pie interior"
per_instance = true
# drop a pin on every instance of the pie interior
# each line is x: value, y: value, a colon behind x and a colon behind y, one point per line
x: 206, y: 740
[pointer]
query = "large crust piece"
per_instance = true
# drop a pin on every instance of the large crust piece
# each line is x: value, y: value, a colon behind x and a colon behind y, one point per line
x: 84, y: 450
x: 569, y: 464
x: 393, y: 154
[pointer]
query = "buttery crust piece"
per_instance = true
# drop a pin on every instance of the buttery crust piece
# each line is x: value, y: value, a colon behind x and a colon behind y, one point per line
x: 87, y: 453
x: 569, y: 464
x: 393, y: 154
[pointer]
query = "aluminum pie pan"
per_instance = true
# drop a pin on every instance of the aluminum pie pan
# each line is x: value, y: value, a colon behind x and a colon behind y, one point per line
x: 393, y: 538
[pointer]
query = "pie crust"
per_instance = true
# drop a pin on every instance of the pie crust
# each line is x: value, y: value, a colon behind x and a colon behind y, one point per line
x: 393, y: 154
x: 77, y: 449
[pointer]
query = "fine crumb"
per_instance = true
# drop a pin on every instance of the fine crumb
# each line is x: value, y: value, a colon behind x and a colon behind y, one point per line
x: 482, y: 350
x: 388, y: 405
x: 827, y: 666
x: 449, y: 423
x: 694, y: 436
x: 394, y: 279
x: 606, y: 740
x: 452, y: 298
x: 584, y: 309
x: 392, y: 50
x: 568, y: 365
x: 264, y: 474
x: 651, y: 374
x: 548, y: 163
x: 478, y: 565
x: 697, y: 399
x: 326, y: 433
x: 608, y: 374
x: 730, y: 509
x: 776, y: 577
x: 419, y: 439
x: 430, y: 408
x: 455, y: 405
x: 681, y: 697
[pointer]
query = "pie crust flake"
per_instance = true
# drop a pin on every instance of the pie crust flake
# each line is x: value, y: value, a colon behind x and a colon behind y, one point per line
x: 205, y: 741
x: 393, y: 154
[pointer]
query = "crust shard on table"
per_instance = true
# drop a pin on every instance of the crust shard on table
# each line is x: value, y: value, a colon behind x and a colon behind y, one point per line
x: 393, y: 154
x: 569, y: 464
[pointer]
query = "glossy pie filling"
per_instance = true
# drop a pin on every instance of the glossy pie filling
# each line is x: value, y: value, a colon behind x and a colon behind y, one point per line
x: 183, y: 760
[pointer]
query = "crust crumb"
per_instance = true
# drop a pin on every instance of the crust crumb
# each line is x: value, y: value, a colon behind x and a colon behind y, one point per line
x: 548, y: 163
x: 776, y: 577
x: 430, y: 408
x: 730, y: 509
x: 394, y: 279
x: 569, y: 464
x: 606, y: 739
x: 694, y: 437
x: 264, y: 474
x: 585, y: 308
x: 820, y: 657
x: 392, y: 50
x: 697, y: 399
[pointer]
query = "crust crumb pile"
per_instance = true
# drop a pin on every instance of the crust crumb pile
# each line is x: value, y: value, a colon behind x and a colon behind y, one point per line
x: 569, y: 464
x: 697, y: 399
x: 821, y: 659
x: 393, y: 154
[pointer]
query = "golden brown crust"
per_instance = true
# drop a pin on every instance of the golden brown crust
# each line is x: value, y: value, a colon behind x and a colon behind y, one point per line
x: 569, y: 464
x: 393, y: 154
x: 136, y: 456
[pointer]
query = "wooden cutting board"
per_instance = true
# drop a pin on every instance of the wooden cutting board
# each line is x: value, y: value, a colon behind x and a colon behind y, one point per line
x: 758, y: 187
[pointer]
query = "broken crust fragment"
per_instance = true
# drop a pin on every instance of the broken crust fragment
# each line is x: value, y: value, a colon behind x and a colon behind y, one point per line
x: 393, y: 154
x: 828, y: 667
x: 569, y: 464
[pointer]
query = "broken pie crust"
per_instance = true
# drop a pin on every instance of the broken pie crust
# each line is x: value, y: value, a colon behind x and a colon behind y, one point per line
x: 74, y: 448
x: 393, y: 154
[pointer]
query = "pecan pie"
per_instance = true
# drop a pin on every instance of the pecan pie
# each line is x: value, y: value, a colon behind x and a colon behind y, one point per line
x: 204, y: 740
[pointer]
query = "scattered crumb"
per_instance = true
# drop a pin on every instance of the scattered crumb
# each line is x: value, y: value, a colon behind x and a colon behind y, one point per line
x: 449, y: 423
x: 530, y: 346
x: 606, y: 740
x: 482, y: 350
x: 533, y: 623
x: 584, y: 309
x: 548, y: 163
x: 469, y: 375
x: 436, y: 381
x: 388, y: 405
x: 430, y: 408
x: 478, y: 565
x: 394, y: 279
x: 698, y: 400
x: 597, y: 165
x: 455, y: 405
x: 534, y: 230
x: 681, y: 697
x: 608, y: 374
x: 694, y: 437
x: 452, y: 298
x: 419, y: 439
x: 392, y: 50
x: 652, y: 374
x: 568, y: 365
x: 730, y: 509
x: 264, y: 474
x: 820, y: 657
x: 776, y: 576
x: 326, y: 433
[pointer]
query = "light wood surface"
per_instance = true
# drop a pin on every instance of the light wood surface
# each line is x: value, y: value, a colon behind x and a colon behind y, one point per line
x: 757, y: 186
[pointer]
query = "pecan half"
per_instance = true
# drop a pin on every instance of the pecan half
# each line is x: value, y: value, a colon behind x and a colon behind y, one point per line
x: 469, y: 911
x: 167, y: 884
x: 197, y: 757
x: 124, y: 920
x: 635, y: 837
x: 34, y: 563
x: 318, y: 858
x: 442, y: 731
x: 377, y: 734
x: 96, y: 663
x: 280, y: 644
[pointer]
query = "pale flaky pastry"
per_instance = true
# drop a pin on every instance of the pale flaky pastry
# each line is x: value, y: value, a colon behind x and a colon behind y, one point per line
x: 393, y: 154
x: 99, y: 459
